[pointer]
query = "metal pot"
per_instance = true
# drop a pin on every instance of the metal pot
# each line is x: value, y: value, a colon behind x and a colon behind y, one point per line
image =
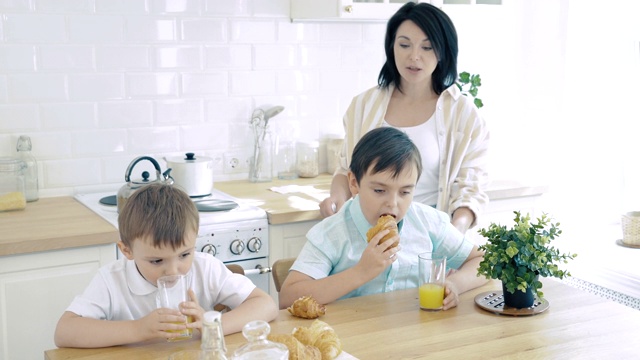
x: 191, y: 174
x: 132, y: 185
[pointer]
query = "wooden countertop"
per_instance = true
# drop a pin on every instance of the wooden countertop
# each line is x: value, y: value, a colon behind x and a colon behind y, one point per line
x: 296, y: 206
x: 577, y: 325
x: 302, y: 205
x: 52, y: 224
x: 62, y: 222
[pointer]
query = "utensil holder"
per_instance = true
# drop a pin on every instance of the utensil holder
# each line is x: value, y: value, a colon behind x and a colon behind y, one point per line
x: 261, y: 167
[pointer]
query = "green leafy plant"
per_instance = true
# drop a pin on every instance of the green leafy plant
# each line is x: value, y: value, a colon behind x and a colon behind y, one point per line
x: 519, y: 255
x: 468, y: 85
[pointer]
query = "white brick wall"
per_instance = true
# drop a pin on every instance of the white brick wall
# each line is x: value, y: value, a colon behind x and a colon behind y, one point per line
x: 96, y: 83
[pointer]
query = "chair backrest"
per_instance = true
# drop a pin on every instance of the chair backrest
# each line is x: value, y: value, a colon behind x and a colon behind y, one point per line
x: 280, y: 270
x: 237, y: 269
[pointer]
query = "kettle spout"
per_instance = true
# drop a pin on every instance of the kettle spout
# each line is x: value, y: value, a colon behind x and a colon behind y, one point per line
x: 167, y: 177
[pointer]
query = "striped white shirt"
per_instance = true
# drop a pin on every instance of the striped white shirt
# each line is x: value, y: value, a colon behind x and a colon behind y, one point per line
x: 463, y: 141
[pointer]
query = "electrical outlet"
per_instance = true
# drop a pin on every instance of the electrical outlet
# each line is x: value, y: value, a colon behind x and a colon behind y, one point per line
x: 236, y: 162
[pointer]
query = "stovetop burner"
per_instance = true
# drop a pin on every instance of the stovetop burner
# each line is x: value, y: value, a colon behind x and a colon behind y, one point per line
x: 110, y: 200
x: 217, y: 208
x: 204, y: 204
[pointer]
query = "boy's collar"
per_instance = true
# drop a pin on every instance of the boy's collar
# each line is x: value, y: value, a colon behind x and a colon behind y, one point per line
x: 136, y: 282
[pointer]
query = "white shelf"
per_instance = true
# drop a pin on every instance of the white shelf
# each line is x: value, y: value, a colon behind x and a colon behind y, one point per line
x: 360, y: 11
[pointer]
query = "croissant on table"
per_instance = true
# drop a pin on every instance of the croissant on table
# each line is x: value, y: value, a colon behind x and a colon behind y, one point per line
x: 322, y: 336
x: 384, y: 222
x: 306, y: 307
x: 297, y: 350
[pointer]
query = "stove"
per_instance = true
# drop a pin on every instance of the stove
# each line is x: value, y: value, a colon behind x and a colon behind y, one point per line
x: 236, y: 236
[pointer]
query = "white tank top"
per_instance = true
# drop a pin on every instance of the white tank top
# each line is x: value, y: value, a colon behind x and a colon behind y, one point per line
x: 426, y: 139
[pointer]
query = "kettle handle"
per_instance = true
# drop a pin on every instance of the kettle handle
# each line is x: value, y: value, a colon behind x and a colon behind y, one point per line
x: 127, y: 174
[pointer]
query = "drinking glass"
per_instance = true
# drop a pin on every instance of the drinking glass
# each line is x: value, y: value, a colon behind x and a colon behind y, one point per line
x: 173, y: 290
x: 431, y: 272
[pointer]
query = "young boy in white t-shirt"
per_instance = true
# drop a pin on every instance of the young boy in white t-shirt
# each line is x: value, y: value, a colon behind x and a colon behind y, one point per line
x: 158, y: 228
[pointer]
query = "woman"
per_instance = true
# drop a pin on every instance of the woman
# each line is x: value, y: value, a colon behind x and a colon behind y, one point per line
x: 416, y: 94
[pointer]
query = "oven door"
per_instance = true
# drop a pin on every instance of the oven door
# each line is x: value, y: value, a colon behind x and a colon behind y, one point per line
x: 257, y: 270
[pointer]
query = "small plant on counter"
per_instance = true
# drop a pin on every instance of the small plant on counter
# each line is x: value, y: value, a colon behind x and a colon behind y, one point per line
x: 468, y: 85
x: 519, y: 255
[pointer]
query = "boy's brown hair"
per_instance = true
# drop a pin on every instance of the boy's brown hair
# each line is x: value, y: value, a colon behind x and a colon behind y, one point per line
x: 158, y: 212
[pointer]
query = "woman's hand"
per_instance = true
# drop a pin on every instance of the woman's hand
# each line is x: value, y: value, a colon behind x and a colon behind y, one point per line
x: 330, y: 206
x: 462, y: 218
x: 339, y: 194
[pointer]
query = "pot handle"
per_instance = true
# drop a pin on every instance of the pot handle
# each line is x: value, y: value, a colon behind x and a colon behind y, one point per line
x: 127, y: 174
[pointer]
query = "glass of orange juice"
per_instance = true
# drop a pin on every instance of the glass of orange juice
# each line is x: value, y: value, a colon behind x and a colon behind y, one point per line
x: 173, y: 290
x: 431, y: 272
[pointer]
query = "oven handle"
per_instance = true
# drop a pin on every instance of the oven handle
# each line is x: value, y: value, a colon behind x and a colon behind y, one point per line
x: 258, y: 270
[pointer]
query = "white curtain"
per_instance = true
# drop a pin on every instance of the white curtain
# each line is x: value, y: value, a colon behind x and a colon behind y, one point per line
x: 598, y: 173
x: 560, y: 86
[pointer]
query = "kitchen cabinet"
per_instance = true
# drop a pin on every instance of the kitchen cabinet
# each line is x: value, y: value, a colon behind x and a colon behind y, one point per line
x: 339, y: 10
x: 48, y: 253
x: 286, y: 240
x: 36, y: 288
x: 361, y: 10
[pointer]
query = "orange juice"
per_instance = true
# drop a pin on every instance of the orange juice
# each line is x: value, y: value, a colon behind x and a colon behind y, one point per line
x: 431, y: 296
x: 186, y: 333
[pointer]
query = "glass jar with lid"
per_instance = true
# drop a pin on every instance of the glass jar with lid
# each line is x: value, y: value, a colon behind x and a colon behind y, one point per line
x: 307, y: 159
x: 31, y: 170
x: 12, y: 184
x: 258, y: 347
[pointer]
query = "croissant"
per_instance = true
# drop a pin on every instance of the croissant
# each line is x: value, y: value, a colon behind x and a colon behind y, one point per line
x: 297, y: 350
x: 306, y: 307
x: 322, y: 336
x: 384, y: 222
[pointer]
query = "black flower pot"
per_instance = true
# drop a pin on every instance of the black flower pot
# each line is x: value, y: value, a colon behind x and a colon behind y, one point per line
x: 518, y: 299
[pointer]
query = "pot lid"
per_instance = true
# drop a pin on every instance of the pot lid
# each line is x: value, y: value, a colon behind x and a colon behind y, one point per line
x: 188, y: 158
x: 145, y: 180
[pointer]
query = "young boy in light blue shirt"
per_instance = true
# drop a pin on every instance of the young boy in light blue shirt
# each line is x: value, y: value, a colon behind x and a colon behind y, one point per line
x: 338, y: 262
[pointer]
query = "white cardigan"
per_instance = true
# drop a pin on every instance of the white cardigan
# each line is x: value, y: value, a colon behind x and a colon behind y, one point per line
x: 463, y: 141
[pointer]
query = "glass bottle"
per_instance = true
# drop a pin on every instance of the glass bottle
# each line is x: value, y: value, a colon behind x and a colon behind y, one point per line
x: 12, y: 184
x: 308, y: 159
x: 286, y: 158
x: 212, y: 345
x: 31, y: 172
x: 258, y: 347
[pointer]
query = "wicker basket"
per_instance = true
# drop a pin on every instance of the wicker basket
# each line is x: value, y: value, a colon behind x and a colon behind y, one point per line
x: 631, y: 228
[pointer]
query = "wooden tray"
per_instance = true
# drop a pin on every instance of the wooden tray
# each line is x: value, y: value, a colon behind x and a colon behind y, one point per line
x: 622, y: 243
x: 493, y: 301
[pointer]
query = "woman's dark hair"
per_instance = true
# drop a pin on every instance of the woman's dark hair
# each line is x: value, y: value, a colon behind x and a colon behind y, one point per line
x: 386, y: 148
x: 439, y: 29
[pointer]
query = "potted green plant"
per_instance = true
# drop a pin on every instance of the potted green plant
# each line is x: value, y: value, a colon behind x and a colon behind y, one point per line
x: 519, y: 255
